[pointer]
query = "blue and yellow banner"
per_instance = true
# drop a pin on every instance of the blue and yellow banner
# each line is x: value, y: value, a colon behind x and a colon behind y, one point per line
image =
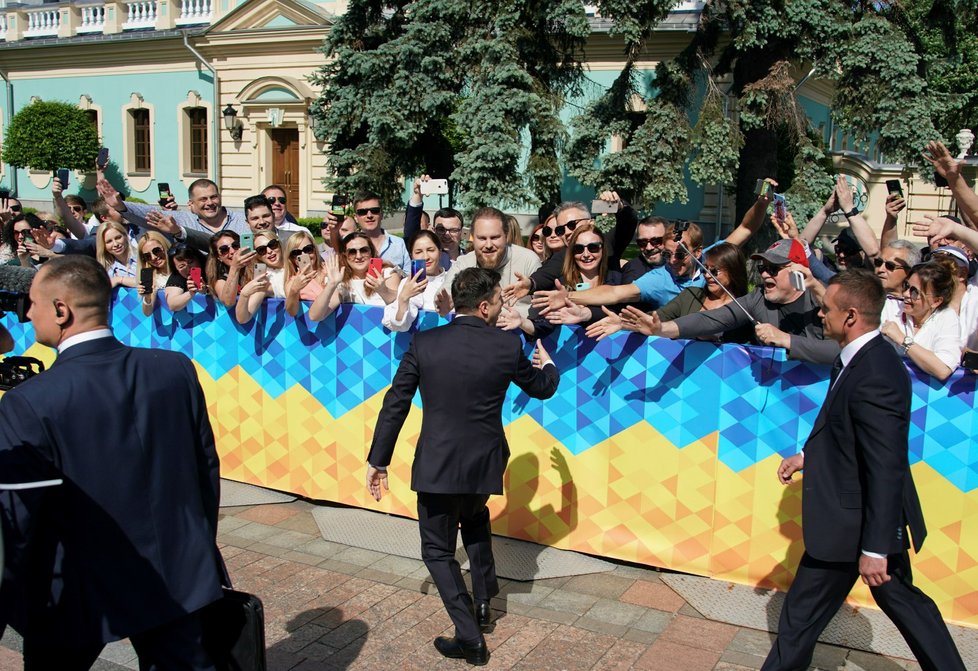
x: 653, y: 451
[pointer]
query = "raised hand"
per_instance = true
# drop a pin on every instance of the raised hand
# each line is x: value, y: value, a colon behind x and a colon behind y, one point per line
x: 603, y: 328
x: 940, y: 157
x: 546, y: 301
x: 516, y: 290
x: 843, y: 194
x: 895, y: 203
x: 443, y: 302
x: 162, y: 223
x: 110, y: 194
x: 414, y: 286
x: 934, y: 227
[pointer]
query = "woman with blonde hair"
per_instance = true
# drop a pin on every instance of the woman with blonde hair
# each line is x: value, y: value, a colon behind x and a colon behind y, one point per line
x: 153, y: 249
x: 305, y: 275
x: 114, y: 252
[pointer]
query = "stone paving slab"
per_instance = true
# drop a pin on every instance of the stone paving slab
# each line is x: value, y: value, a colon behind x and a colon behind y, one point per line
x: 340, y: 615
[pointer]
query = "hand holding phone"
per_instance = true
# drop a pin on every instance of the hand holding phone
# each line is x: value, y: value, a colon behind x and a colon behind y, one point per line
x: 604, y: 207
x: 63, y: 177
x: 195, y: 277
x: 247, y: 241
x: 376, y: 267
x: 146, y: 280
x: 102, y: 160
x: 419, y: 266
x: 894, y: 186
x: 434, y: 186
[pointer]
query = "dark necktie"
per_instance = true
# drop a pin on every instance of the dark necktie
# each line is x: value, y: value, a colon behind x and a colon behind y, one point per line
x: 836, y: 369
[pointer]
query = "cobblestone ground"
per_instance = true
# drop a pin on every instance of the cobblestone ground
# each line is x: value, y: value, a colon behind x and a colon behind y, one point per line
x: 331, y: 606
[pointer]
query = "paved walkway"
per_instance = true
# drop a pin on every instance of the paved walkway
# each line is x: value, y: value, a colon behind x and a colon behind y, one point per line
x: 331, y: 606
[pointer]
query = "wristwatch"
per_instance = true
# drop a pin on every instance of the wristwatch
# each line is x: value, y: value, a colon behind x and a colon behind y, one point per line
x: 907, y: 342
x: 851, y: 213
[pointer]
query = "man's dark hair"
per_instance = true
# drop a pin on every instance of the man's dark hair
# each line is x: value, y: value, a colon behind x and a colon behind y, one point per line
x: 491, y: 213
x: 253, y: 202
x: 366, y: 195
x: 448, y: 213
x: 85, y: 278
x: 472, y: 286
x: 653, y: 220
x: 200, y: 183
x: 276, y: 187
x: 860, y: 289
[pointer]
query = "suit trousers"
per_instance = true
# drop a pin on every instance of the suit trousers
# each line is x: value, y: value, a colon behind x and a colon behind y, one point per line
x: 174, y: 645
x: 440, y: 516
x: 819, y: 590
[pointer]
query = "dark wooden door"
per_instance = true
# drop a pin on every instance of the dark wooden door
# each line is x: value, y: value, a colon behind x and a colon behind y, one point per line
x: 285, y: 164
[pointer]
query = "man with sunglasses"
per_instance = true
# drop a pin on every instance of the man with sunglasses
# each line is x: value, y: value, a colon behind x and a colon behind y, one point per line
x: 782, y: 315
x: 279, y: 200
x: 896, y: 258
x: 368, y: 212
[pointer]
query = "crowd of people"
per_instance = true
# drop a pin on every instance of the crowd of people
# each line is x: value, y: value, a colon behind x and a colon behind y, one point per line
x: 567, y: 271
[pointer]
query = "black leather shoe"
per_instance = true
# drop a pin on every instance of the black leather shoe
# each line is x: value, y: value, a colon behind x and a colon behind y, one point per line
x: 483, y: 616
x: 477, y: 655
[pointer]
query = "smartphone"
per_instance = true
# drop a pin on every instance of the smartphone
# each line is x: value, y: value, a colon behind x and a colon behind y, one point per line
x: 146, y: 279
x: 582, y: 286
x: 376, y: 267
x: 28, y: 238
x: 63, y: 177
x: 302, y: 261
x: 894, y: 186
x: 780, y: 206
x: 603, y: 207
x: 247, y: 241
x: 165, y: 193
x: 418, y: 265
x: 338, y: 205
x: 260, y: 269
x: 970, y: 360
x: 763, y: 188
x: 434, y: 186
x: 797, y: 280
x: 195, y: 277
x: 102, y: 160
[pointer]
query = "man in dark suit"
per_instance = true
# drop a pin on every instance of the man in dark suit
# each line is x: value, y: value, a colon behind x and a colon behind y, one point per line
x: 859, y: 496
x: 462, y: 451
x: 126, y: 547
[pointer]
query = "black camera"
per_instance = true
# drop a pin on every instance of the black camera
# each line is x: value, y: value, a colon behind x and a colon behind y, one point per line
x: 680, y: 227
x: 16, y: 369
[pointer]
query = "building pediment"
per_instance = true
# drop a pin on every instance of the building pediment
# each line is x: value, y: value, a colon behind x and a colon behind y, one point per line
x: 271, y: 15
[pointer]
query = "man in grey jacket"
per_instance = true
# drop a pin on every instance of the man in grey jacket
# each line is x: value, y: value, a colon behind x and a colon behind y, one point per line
x: 782, y: 315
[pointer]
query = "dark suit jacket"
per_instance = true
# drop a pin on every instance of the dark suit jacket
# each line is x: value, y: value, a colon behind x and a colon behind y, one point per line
x: 858, y: 491
x: 463, y: 370
x: 128, y: 542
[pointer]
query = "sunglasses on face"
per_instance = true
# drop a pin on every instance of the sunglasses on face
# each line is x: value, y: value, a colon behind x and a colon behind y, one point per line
x: 361, y: 211
x: 679, y: 255
x: 155, y: 252
x: 891, y: 265
x: 645, y: 242
x: 771, y: 269
x: 842, y: 252
x: 76, y: 208
x: 715, y: 270
x: 593, y: 247
x: 16, y: 208
x: 358, y: 251
x: 560, y: 230
x: 536, y: 237
x: 224, y: 249
x: 914, y: 292
x: 21, y: 232
x: 277, y: 199
x: 308, y: 249
x: 271, y: 245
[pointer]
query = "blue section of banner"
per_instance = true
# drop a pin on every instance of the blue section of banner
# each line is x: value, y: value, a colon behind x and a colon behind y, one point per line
x: 759, y: 402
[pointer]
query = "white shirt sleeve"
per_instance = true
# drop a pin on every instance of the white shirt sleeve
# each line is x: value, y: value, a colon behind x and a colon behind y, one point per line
x: 390, y: 319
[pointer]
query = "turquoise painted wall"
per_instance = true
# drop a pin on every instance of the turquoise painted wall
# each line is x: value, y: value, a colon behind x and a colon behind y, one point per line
x: 162, y: 90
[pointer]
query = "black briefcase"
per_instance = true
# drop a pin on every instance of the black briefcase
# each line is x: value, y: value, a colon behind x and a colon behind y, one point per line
x: 234, y: 632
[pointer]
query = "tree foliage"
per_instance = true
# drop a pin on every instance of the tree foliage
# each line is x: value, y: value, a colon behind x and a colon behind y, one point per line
x: 456, y: 90
x: 50, y: 135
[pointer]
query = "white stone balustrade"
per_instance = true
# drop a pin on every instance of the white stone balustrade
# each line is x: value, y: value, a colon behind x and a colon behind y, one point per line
x: 42, y: 22
x: 195, y: 11
x: 140, y: 14
x: 91, y: 20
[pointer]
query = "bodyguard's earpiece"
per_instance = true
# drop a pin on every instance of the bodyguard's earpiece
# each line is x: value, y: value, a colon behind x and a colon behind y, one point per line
x: 57, y: 310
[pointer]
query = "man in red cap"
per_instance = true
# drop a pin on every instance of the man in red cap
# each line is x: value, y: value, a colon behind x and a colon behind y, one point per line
x: 783, y: 315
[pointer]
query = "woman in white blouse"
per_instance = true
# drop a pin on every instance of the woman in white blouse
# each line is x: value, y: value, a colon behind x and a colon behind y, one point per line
x: 928, y: 332
x: 350, y: 279
x: 418, y: 291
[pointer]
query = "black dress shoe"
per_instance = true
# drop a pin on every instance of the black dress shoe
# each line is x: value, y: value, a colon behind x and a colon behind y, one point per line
x: 483, y: 616
x: 477, y: 655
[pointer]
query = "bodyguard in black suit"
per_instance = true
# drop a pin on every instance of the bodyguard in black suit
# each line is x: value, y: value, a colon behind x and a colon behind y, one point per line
x: 126, y: 546
x: 859, y: 496
x: 463, y: 370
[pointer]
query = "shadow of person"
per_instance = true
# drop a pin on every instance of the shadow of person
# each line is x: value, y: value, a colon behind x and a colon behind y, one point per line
x: 319, y: 638
x: 849, y: 627
x: 543, y: 526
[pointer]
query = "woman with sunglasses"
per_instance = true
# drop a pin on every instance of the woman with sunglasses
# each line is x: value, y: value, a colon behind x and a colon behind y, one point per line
x: 181, y: 288
x: 553, y: 235
x: 114, y: 252
x: 929, y: 332
x: 535, y: 243
x: 269, y: 283
x: 17, y: 232
x: 228, y: 268
x: 417, y: 293
x: 152, y: 250
x: 585, y: 263
x: 349, y: 280
x: 304, y: 271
